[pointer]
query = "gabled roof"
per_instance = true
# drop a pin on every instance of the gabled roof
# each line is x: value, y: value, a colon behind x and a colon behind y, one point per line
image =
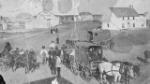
x: 85, y: 13
x: 124, y: 11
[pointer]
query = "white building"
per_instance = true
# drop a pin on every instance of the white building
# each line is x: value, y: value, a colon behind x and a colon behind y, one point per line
x: 56, y: 16
x: 125, y: 18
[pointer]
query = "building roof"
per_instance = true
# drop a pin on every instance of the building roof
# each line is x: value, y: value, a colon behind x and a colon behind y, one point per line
x: 124, y: 11
x: 85, y: 13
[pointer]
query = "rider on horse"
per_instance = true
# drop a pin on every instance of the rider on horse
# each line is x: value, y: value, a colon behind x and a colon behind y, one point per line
x: 7, y: 49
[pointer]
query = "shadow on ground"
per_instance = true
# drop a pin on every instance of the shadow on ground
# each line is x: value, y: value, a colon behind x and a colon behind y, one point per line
x: 49, y: 80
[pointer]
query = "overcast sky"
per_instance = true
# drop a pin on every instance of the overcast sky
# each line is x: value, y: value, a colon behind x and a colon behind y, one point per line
x: 13, y: 7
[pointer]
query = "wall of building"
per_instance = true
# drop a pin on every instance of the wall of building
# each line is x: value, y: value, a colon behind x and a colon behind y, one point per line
x: 97, y: 18
x: 117, y: 23
x: 140, y: 22
x: 38, y: 22
x: 66, y: 19
x: 86, y: 18
x: 113, y: 24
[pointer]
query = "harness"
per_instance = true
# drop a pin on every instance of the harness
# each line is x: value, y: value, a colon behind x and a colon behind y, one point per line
x: 111, y: 70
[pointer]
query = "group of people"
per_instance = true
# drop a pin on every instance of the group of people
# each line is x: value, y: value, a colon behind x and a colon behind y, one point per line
x: 52, y: 57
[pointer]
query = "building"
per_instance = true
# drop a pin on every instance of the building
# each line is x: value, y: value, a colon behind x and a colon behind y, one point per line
x: 85, y: 16
x: 125, y: 18
x: 66, y: 18
x: 97, y: 17
x: 3, y: 23
x: 45, y: 20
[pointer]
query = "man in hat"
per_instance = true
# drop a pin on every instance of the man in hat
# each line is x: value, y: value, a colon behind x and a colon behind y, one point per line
x: 44, y: 54
x: 58, y: 65
x: 55, y: 81
x: 52, y: 45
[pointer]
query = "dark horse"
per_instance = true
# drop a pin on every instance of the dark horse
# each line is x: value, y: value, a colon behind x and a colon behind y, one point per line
x: 6, y: 49
x: 131, y: 71
x: 2, y: 81
x: 26, y: 60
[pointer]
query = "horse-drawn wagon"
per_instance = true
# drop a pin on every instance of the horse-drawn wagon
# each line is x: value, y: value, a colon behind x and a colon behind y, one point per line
x: 87, y: 58
x: 18, y: 59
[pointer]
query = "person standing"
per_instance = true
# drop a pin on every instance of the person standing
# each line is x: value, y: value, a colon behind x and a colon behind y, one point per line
x: 53, y: 45
x: 57, y: 39
x: 58, y: 61
x: 55, y: 80
x: 52, y: 60
x: 90, y: 36
x: 72, y: 57
x: 44, y: 54
x: 58, y: 65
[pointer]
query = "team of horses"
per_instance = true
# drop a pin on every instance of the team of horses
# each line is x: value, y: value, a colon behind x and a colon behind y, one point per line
x: 118, y: 72
x: 109, y: 72
x: 19, y: 58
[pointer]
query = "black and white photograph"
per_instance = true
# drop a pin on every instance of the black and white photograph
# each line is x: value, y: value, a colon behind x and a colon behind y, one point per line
x: 74, y: 41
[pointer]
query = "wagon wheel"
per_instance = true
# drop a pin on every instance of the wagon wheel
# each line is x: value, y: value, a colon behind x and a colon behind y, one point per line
x: 74, y: 68
x: 86, y: 75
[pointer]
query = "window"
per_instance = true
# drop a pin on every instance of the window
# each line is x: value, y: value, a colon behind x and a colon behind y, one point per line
x: 123, y: 26
x: 108, y: 25
x: 133, y: 24
x: 96, y: 34
x: 123, y: 18
x: 72, y: 18
x: 133, y: 18
x: 142, y: 25
x: 129, y: 25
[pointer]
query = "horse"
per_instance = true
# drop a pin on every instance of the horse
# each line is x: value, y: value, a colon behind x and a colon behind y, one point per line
x: 6, y: 49
x: 2, y: 81
x: 109, y: 69
x: 136, y: 69
x: 128, y: 71
x: 26, y: 59
x: 21, y: 61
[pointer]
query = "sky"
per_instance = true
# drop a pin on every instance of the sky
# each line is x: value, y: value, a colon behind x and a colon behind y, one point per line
x: 14, y: 7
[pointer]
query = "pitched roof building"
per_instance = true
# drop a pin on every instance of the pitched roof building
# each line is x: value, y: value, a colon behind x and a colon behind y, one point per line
x: 125, y: 18
x: 124, y: 11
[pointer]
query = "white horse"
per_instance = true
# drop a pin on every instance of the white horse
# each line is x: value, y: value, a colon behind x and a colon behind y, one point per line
x: 110, y: 70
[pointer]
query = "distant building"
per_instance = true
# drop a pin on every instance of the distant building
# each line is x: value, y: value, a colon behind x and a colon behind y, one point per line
x: 125, y: 18
x: 3, y: 23
x: 43, y: 20
x: 66, y: 18
x: 85, y: 16
x: 97, y: 17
